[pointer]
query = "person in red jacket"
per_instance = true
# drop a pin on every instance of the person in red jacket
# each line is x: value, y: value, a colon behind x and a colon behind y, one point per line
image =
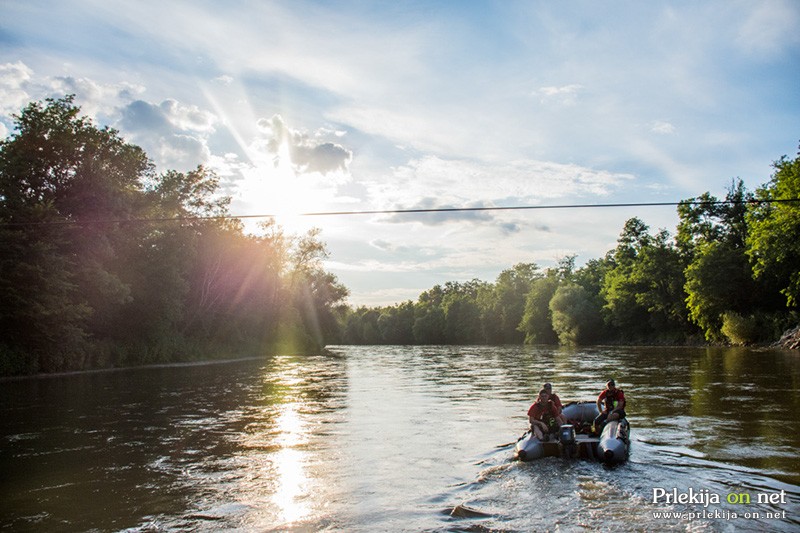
x: 542, y: 415
x: 611, y: 404
x: 560, y: 418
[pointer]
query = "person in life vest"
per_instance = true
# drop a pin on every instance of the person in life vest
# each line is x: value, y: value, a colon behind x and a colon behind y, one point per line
x: 611, y: 404
x: 542, y: 416
x: 560, y: 418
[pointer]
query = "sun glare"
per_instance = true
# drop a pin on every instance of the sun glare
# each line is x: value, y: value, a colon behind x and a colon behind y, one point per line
x: 292, y: 481
x: 272, y: 188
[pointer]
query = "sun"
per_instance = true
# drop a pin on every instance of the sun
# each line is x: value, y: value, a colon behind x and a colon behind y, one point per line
x: 272, y: 188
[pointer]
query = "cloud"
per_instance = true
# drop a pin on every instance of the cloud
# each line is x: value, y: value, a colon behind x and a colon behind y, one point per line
x: 432, y: 181
x: 565, y: 95
x: 306, y: 155
x: 188, y: 117
x: 664, y: 128
x: 223, y: 80
x: 15, y: 80
x: 382, y: 245
x: 20, y: 85
x: 93, y: 97
x: 437, y: 218
x: 167, y: 117
x: 508, y: 228
x: 141, y: 116
x: 770, y: 27
x: 173, y: 134
x: 183, y: 152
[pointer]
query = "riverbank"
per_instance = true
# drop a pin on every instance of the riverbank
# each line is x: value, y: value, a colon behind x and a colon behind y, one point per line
x: 202, y: 362
x: 790, y: 340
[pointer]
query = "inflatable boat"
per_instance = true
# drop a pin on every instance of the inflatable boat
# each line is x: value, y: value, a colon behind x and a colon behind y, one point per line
x: 574, y: 440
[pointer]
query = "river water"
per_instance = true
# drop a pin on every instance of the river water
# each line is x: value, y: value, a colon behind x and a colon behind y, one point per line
x: 402, y: 439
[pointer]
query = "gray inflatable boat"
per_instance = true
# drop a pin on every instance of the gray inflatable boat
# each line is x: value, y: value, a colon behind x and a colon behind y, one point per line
x: 574, y: 441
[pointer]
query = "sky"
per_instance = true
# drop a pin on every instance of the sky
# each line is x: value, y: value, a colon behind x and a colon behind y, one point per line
x: 310, y: 106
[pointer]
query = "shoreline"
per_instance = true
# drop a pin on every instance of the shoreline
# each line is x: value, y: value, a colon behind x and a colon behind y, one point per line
x: 203, y: 362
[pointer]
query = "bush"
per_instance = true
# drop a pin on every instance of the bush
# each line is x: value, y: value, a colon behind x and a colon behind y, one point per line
x: 739, y: 329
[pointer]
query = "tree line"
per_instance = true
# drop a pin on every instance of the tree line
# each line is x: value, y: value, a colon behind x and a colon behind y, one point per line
x: 730, y: 274
x: 106, y: 263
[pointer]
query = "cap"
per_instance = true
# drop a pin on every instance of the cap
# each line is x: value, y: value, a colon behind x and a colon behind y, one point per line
x: 547, y: 386
x: 611, y: 383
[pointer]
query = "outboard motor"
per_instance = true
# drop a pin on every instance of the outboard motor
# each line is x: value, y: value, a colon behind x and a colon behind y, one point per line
x: 567, y: 434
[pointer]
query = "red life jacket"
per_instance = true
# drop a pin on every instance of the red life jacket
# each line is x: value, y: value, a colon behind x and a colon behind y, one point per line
x: 544, y: 412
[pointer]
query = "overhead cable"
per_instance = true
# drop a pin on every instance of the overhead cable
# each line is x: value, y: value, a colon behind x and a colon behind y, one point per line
x: 396, y: 212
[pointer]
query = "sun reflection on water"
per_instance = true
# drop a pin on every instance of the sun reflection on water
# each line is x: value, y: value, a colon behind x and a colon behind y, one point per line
x: 292, y: 482
x: 292, y: 486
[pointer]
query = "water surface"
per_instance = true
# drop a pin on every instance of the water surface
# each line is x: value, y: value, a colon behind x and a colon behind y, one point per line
x: 399, y: 439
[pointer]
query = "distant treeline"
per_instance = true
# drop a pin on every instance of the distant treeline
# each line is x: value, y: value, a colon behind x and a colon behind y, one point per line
x: 731, y: 275
x: 89, y: 276
x: 106, y: 263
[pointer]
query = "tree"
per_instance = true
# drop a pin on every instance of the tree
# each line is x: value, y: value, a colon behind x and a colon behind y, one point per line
x: 429, y: 326
x: 462, y: 320
x: 620, y: 287
x: 313, y: 293
x: 575, y: 317
x: 537, y: 320
x: 503, y: 307
x: 773, y: 244
x: 396, y: 324
x: 719, y: 280
x: 719, y: 275
x: 65, y: 185
x: 658, y: 276
x: 461, y: 311
x: 706, y: 219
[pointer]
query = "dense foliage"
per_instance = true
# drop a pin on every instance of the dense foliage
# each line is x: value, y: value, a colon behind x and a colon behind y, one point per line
x: 730, y: 274
x: 105, y: 263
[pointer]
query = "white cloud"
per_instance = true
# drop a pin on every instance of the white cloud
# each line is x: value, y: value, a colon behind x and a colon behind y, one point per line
x: 15, y: 79
x: 188, y: 117
x: 465, y: 183
x: 20, y: 85
x: 94, y: 98
x: 771, y: 27
x: 564, y: 95
x: 662, y: 127
x: 181, y: 152
x: 224, y: 79
x: 173, y: 134
x: 306, y: 155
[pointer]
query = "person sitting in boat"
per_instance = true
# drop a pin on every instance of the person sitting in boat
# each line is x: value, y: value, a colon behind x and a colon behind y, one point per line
x: 560, y: 418
x: 611, y: 404
x: 542, y: 416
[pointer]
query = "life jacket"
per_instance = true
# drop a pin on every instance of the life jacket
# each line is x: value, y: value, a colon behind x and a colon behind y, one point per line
x: 547, y: 413
x: 612, y: 398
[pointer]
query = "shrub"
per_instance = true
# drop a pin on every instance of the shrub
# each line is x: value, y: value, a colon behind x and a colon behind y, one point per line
x: 740, y: 329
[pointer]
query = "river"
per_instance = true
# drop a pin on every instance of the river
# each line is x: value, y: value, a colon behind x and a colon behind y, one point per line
x: 402, y: 439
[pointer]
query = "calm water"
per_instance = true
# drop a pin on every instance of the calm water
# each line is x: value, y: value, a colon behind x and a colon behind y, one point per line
x: 399, y: 439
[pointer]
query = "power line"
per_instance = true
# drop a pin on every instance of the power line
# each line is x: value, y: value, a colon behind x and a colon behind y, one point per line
x: 398, y: 212
x: 534, y: 207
